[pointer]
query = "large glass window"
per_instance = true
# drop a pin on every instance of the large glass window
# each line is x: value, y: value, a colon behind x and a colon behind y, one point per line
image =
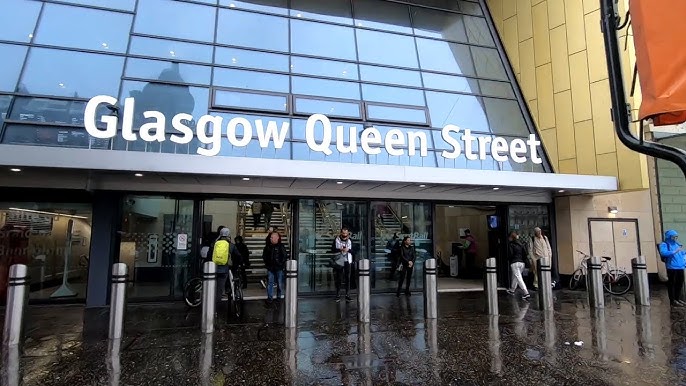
x: 327, y: 68
x: 319, y: 39
x: 72, y: 74
x: 18, y: 20
x: 250, y: 100
x: 124, y: 5
x: 176, y: 19
x: 14, y: 56
x: 159, y: 265
x: 92, y: 29
x: 253, y: 30
x: 250, y: 80
x: 386, y: 48
x: 235, y: 57
x: 325, y: 88
x: 378, y: 74
x: 337, y: 11
x: 170, y: 49
x: 167, y: 71
x: 382, y: 15
x: 271, y: 6
x: 53, y: 240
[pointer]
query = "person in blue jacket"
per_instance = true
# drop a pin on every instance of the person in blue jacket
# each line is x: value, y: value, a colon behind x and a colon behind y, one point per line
x: 673, y: 255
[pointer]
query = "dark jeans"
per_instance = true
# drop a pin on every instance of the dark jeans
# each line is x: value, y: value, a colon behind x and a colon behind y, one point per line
x: 675, y: 283
x: 405, y: 274
x: 340, y: 273
x: 256, y: 219
x: 222, y: 277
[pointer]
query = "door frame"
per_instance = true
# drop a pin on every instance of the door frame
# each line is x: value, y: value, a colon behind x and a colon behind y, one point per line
x: 613, y: 220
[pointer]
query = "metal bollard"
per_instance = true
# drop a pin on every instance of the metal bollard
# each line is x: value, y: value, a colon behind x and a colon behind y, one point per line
x: 641, y: 287
x: 491, y: 287
x: 291, y: 293
x: 209, y: 292
x: 114, y: 361
x: 545, y: 288
x: 16, y: 303
x: 430, y: 290
x: 594, y: 283
x: 10, y: 374
x: 118, y: 300
x: 363, y: 291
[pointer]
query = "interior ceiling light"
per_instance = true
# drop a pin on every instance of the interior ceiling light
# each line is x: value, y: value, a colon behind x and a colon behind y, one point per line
x: 612, y: 209
x: 422, y: 186
x: 48, y: 213
x: 339, y: 182
x: 246, y: 178
x: 16, y: 170
x: 496, y: 188
x: 561, y: 191
x: 138, y: 174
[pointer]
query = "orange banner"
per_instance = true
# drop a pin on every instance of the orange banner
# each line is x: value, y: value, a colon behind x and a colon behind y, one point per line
x: 660, y: 41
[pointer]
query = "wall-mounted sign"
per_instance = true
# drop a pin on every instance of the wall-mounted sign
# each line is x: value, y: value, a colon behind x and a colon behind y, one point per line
x: 181, y: 241
x: 319, y: 134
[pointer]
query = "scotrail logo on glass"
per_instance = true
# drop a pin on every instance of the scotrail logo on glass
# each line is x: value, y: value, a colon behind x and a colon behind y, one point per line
x: 395, y: 141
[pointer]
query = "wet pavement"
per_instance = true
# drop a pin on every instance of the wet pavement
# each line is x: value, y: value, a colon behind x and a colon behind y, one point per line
x: 573, y: 345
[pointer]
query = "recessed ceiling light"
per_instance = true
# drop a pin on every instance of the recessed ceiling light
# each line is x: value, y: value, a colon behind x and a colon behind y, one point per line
x: 138, y: 174
x: 246, y: 178
x: 496, y: 188
x: 451, y: 206
x: 339, y: 182
x: 422, y: 186
x: 561, y: 191
x: 16, y: 170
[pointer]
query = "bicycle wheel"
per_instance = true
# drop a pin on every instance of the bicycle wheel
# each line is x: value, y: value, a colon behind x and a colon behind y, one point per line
x: 576, y: 279
x: 616, y: 282
x: 192, y: 292
x: 237, y: 301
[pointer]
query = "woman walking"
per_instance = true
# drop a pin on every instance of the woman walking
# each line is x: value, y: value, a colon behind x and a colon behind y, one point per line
x: 516, y: 256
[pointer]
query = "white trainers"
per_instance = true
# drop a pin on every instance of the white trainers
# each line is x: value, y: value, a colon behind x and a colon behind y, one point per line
x: 511, y: 292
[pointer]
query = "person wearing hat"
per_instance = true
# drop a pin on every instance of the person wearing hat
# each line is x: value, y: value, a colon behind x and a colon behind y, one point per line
x: 224, y: 255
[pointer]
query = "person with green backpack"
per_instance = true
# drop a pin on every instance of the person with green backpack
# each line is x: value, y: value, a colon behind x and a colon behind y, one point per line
x: 224, y: 255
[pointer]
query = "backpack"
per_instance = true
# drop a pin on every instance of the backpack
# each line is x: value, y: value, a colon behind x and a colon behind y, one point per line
x: 221, y: 254
x: 663, y: 258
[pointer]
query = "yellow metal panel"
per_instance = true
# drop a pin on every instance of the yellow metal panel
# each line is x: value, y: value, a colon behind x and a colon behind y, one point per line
x: 549, y: 139
x: 533, y: 107
x: 541, y: 33
x: 556, y: 13
x: 633, y: 173
x: 591, y: 5
x: 544, y: 92
x: 574, y: 18
x: 560, y: 58
x: 534, y: 2
x: 509, y: 8
x: 581, y: 94
x: 585, y: 148
x: 511, y: 42
x: 564, y: 122
x: 597, y: 64
x: 528, y: 68
x: 602, y: 122
x: 524, y: 21
x: 568, y: 166
x: 607, y: 164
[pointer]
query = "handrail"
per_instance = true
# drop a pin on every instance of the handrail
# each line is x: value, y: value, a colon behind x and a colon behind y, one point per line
x: 620, y: 116
x: 397, y: 218
x: 325, y: 218
x: 286, y: 220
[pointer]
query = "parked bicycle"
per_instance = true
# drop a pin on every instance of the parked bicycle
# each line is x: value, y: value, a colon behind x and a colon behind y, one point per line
x: 615, y: 281
x: 192, y: 293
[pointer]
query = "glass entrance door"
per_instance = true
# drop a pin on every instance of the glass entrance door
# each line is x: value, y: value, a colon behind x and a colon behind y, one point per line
x: 156, y: 243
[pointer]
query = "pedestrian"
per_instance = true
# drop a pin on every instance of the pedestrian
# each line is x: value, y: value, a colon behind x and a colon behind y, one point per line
x: 224, y: 255
x: 245, y: 259
x: 274, y: 257
x: 471, y: 249
x: 267, y: 211
x: 392, y: 248
x: 539, y: 247
x: 673, y: 255
x: 341, y: 263
x: 406, y: 259
x: 256, y: 209
x: 517, y: 257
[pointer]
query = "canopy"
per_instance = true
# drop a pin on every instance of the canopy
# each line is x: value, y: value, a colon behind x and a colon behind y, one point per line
x: 660, y: 41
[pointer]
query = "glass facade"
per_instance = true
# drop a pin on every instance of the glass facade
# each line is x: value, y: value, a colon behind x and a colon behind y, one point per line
x: 53, y: 240
x: 414, y: 66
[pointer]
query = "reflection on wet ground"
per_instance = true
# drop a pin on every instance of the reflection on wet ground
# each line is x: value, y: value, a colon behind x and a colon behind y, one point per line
x: 573, y: 345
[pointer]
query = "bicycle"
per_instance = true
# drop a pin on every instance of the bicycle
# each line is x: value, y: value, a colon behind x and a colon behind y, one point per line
x: 192, y: 293
x: 615, y: 281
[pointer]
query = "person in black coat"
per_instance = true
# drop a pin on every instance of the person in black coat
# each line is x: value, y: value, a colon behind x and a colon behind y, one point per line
x: 245, y: 259
x: 274, y: 257
x: 406, y: 258
x: 517, y: 257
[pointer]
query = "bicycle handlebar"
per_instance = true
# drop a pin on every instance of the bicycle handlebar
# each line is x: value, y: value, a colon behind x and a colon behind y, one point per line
x: 587, y: 256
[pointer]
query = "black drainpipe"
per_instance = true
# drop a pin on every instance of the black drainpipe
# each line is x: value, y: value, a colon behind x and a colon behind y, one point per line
x: 621, y: 112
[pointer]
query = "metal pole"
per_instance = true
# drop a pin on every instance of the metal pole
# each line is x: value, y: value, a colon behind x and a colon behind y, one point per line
x: 641, y: 287
x: 9, y: 369
x: 114, y: 361
x: 16, y: 302
x: 363, y: 290
x: 594, y: 283
x: 491, y: 286
x: 430, y: 290
x: 118, y: 300
x: 291, y: 293
x: 206, y: 351
x: 545, y: 287
x: 209, y: 292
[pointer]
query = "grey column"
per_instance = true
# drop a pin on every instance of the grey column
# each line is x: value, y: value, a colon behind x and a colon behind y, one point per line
x: 209, y: 292
x: 494, y: 340
x: 9, y: 368
x: 363, y: 291
x: 430, y: 290
x: 104, y: 246
x: 641, y: 286
x: 206, y: 355
x: 545, y: 287
x: 113, y: 361
x: 17, y: 295
x: 118, y: 303
x: 491, y: 287
x: 291, y: 293
x: 594, y: 283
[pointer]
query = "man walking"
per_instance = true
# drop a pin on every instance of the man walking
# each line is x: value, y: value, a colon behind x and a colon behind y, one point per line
x: 673, y: 255
x: 342, y: 261
x: 539, y: 247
